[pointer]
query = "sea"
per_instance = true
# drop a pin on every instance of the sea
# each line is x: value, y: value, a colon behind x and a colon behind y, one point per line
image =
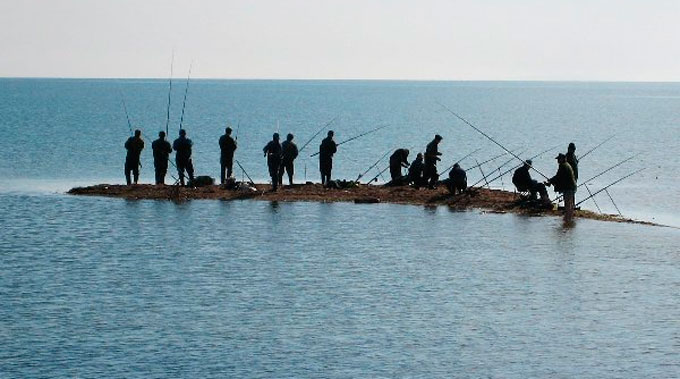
x: 97, y: 287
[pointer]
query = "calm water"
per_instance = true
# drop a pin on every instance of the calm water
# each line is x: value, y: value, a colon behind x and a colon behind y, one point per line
x: 95, y: 287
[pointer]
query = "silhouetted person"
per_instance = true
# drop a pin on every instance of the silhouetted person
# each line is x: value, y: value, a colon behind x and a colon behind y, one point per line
x: 289, y: 151
x: 522, y: 180
x: 327, y: 148
x: 182, y: 146
x: 134, y: 146
x: 227, y: 148
x: 161, y: 154
x: 431, y: 157
x: 572, y: 159
x: 273, y: 153
x: 415, y: 172
x: 564, y: 182
x: 457, y: 179
x: 398, y: 159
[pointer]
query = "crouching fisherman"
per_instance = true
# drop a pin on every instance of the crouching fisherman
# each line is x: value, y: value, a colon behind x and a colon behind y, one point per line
x: 415, y: 172
x: 273, y: 153
x: 182, y: 146
x: 161, y: 154
x: 398, y: 159
x: 565, y: 183
x: 523, y: 182
x: 457, y: 180
x: 134, y: 146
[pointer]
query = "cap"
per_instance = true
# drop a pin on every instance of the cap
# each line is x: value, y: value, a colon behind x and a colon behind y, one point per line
x: 529, y: 162
x: 561, y: 156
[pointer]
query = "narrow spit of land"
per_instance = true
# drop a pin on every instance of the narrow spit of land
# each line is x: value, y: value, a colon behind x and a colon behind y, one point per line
x: 498, y: 201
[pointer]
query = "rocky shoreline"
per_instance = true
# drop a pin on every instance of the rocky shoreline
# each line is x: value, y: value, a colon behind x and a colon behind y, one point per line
x: 498, y: 201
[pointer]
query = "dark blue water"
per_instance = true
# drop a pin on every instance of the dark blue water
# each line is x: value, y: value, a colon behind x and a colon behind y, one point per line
x: 95, y: 287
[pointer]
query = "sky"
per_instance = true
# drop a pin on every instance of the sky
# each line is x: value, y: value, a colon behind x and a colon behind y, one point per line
x: 575, y: 40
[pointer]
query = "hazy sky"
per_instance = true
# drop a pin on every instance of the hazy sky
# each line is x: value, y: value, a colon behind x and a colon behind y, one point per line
x: 336, y: 39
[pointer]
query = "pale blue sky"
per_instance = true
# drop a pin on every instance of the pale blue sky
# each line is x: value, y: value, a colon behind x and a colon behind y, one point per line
x: 344, y: 39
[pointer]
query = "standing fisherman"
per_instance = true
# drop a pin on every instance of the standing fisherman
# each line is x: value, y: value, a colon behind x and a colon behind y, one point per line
x: 431, y: 157
x: 134, y: 146
x: 572, y: 160
x: 327, y: 148
x: 289, y: 152
x: 227, y: 149
x: 161, y: 153
x: 182, y: 146
x: 398, y: 160
x: 564, y: 182
x: 273, y: 153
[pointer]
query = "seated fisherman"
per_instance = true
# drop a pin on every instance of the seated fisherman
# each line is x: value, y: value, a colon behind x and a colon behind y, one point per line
x: 457, y: 179
x: 415, y: 172
x: 523, y: 182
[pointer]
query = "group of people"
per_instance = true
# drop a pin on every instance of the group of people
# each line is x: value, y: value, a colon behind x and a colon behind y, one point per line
x: 422, y: 171
x: 280, y: 157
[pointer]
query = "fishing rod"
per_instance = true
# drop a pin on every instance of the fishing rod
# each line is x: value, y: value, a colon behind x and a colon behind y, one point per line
x: 593, y: 149
x: 355, y: 137
x: 122, y: 98
x: 238, y: 127
x: 609, y: 185
x: 518, y: 166
x: 317, y: 133
x: 460, y: 160
x: 487, y: 136
x: 245, y: 172
x: 558, y: 198
x: 186, y: 91
x: 612, y: 199
x: 485, y: 177
x: 591, y: 194
x: 167, y: 118
x: 373, y: 165
x: 486, y: 161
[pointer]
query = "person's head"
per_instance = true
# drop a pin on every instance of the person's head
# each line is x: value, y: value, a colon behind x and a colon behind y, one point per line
x: 289, y: 137
x: 419, y: 156
x: 228, y: 130
x: 138, y: 133
x: 182, y: 132
x: 161, y: 135
x: 528, y: 162
x: 561, y: 158
x: 276, y: 136
x: 331, y: 133
x: 571, y: 148
x: 456, y: 165
x: 438, y: 138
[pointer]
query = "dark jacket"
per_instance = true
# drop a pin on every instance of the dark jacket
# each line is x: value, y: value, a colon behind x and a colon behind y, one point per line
x: 573, y: 162
x: 327, y: 148
x: 134, y: 148
x: 458, y: 175
x: 399, y: 159
x: 273, y: 152
x: 289, y: 151
x: 522, y: 178
x: 227, y: 147
x: 432, y: 153
x: 182, y: 146
x: 161, y: 150
x: 415, y: 172
x: 564, y: 179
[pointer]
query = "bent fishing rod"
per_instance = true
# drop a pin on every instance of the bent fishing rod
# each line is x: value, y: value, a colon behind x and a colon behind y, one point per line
x: 186, y: 91
x: 518, y: 166
x: 167, y: 118
x: 245, y: 172
x: 487, y: 136
x: 558, y: 198
x: 460, y: 160
x: 355, y: 137
x: 373, y: 165
x: 609, y: 185
x: 317, y: 133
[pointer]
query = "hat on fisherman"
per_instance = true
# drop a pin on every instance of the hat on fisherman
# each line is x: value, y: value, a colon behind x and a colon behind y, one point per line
x: 561, y: 156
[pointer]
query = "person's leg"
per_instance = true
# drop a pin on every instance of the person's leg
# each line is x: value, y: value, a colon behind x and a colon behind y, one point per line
x: 135, y: 172
x: 568, y: 205
x: 180, y: 171
x: 230, y: 166
x: 290, y: 169
x: 223, y: 169
x: 190, y: 170
x: 127, y: 175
